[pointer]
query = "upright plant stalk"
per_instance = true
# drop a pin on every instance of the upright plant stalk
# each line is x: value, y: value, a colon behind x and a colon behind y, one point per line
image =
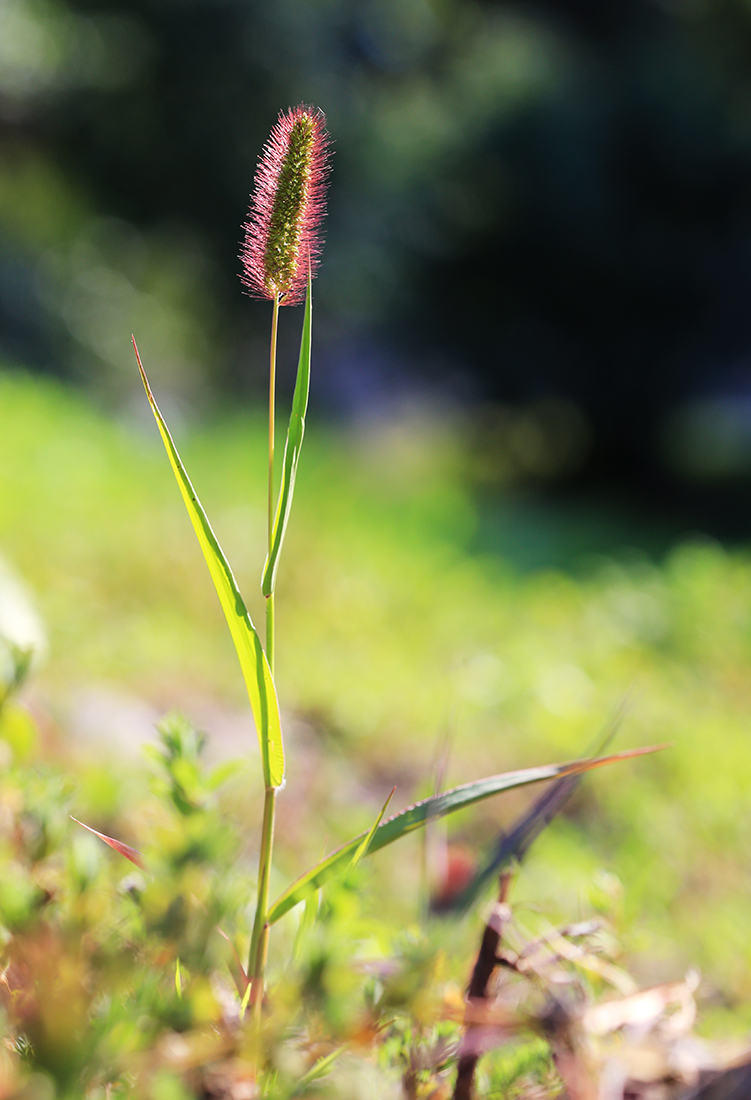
x: 272, y: 418
x: 281, y: 248
x: 260, y: 936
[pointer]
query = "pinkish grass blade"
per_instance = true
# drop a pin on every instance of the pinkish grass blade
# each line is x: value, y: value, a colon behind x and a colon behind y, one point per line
x: 124, y: 849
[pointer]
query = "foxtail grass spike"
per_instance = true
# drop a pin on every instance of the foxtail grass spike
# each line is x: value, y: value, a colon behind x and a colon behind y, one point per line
x: 283, y: 230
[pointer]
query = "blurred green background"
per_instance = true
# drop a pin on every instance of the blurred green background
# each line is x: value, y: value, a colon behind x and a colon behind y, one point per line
x: 525, y: 486
x: 543, y: 204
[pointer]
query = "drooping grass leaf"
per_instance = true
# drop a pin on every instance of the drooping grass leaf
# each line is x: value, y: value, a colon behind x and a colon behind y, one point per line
x: 438, y: 805
x: 124, y: 849
x: 292, y: 447
x: 255, y: 668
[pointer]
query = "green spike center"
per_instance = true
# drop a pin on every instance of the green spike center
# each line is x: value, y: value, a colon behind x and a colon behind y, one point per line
x: 282, y: 250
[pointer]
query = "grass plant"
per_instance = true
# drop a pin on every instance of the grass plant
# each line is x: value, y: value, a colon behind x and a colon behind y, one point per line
x: 135, y: 982
x: 281, y: 245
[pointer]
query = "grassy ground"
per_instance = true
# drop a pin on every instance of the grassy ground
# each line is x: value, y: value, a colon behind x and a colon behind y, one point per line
x: 396, y: 635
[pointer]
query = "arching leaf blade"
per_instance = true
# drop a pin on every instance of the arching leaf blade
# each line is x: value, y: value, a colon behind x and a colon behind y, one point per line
x: 438, y: 805
x: 255, y: 667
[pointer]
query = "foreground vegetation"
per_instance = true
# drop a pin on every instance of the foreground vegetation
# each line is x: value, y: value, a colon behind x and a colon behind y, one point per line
x: 409, y: 645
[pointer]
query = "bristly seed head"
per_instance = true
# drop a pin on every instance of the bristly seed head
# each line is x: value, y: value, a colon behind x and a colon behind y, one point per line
x: 282, y: 233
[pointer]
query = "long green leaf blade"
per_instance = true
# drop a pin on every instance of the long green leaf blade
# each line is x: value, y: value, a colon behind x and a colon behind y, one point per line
x: 416, y: 816
x: 255, y: 667
x: 292, y: 448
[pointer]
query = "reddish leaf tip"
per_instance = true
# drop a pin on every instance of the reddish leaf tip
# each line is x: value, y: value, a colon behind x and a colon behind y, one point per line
x: 124, y: 849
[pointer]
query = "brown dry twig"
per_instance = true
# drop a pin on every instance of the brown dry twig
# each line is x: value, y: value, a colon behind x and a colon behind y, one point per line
x: 487, y: 960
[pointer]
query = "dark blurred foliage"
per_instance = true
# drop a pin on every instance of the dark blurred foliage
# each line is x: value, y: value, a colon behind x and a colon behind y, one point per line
x: 535, y: 203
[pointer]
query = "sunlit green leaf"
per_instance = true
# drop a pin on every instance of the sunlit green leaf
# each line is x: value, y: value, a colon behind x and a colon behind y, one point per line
x: 438, y: 805
x: 255, y: 668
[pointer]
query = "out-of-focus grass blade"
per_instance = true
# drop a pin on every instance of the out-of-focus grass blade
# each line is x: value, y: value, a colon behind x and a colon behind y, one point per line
x: 439, y: 805
x: 365, y: 846
x: 237, y: 970
x: 246, y: 1000
x: 308, y: 919
x: 124, y: 849
x: 292, y: 447
x: 255, y: 667
x: 515, y: 844
x: 320, y: 1069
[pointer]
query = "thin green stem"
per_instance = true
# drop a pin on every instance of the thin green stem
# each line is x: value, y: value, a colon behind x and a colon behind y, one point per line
x: 259, y: 940
x: 270, y: 636
x: 272, y: 421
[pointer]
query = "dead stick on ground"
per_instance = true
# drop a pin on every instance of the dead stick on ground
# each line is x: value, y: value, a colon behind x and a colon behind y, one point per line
x: 487, y: 960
